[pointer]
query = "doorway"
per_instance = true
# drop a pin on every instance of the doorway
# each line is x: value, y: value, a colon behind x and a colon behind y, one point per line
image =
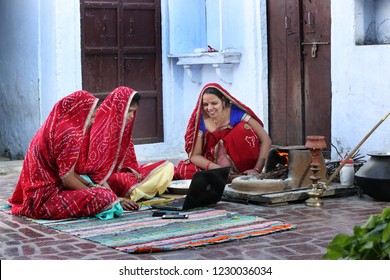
x: 121, y: 46
x: 299, y: 70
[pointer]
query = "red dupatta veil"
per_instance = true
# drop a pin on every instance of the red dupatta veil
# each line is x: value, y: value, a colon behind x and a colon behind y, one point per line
x: 112, y: 157
x: 110, y: 139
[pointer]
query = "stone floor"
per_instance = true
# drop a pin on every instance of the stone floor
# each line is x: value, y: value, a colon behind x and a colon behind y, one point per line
x: 315, y: 228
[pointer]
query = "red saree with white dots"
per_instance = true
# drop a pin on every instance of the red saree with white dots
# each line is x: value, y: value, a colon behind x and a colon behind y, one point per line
x: 111, y: 156
x: 53, y: 152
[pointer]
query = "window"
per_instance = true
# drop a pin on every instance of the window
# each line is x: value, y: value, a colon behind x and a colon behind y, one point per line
x: 196, y: 24
x: 372, y: 22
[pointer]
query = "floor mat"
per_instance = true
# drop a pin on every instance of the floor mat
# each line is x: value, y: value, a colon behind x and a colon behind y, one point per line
x: 140, y: 232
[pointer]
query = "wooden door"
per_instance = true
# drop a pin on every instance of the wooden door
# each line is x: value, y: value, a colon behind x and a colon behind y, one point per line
x: 316, y: 67
x: 299, y: 70
x: 121, y: 45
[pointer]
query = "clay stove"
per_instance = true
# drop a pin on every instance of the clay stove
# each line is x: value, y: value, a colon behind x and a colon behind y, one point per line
x: 296, y: 161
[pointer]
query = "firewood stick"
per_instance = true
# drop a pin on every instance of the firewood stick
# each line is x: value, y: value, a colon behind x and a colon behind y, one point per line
x: 279, y: 171
x: 331, y: 178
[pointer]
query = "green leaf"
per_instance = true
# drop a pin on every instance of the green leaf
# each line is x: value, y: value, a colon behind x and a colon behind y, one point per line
x: 386, y: 246
x: 386, y: 234
x: 386, y: 213
x: 374, y: 235
x: 358, y: 231
x: 367, y: 245
x: 335, y: 254
x: 341, y: 239
x: 372, y: 221
x: 338, y: 247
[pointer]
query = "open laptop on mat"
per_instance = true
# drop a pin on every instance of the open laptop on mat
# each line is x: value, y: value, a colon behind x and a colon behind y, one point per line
x: 206, y: 188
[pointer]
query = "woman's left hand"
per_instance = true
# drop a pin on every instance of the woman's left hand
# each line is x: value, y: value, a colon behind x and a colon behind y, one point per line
x: 137, y: 175
x: 104, y: 185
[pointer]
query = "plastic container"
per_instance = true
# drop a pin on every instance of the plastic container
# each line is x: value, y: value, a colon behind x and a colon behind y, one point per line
x: 347, y: 173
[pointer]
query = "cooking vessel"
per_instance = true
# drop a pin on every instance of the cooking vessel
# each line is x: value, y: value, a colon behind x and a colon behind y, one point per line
x: 373, y: 177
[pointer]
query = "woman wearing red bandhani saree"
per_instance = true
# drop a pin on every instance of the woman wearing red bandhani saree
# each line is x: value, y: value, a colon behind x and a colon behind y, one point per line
x: 112, y: 161
x: 223, y: 132
x: 49, y: 186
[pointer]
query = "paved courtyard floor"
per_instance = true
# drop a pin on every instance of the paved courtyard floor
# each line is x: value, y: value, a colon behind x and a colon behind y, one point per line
x: 21, y: 239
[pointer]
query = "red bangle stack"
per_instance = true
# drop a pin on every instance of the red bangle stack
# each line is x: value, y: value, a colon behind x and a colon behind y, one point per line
x: 207, y: 165
x: 258, y: 170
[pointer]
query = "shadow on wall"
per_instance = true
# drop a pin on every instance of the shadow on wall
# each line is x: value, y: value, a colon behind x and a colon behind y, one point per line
x: 8, y: 155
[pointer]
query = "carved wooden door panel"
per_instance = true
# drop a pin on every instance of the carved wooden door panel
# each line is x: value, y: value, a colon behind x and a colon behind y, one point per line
x: 121, y: 45
x: 299, y: 70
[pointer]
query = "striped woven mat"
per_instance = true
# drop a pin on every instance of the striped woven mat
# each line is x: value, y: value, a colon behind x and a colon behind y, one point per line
x: 140, y: 232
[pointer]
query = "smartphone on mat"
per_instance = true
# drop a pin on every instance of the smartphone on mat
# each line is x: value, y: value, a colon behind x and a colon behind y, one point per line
x: 159, y: 213
x: 175, y: 216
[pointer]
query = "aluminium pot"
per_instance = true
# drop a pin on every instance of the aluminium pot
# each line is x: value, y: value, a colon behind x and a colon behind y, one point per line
x: 373, y: 178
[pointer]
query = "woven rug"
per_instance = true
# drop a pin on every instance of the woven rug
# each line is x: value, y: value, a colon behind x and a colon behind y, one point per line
x: 139, y: 232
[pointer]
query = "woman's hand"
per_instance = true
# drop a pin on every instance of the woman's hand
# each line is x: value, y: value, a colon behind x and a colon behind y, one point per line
x: 252, y: 172
x: 106, y: 185
x: 265, y: 142
x: 233, y: 175
x: 137, y: 175
x: 127, y: 204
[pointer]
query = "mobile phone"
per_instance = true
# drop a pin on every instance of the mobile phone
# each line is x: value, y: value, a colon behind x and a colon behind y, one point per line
x: 158, y: 213
x: 175, y: 216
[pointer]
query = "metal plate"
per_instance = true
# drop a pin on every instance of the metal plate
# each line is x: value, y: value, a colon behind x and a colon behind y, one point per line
x: 179, y: 186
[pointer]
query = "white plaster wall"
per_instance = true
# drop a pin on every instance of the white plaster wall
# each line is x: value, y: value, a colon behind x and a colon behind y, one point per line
x: 360, y: 86
x: 19, y: 81
x: 60, y: 53
x: 39, y: 64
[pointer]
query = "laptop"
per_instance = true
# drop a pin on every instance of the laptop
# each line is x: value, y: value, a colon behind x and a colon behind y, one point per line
x: 206, y: 188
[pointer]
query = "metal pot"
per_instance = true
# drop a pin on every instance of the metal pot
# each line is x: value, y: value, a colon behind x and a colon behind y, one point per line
x: 373, y: 177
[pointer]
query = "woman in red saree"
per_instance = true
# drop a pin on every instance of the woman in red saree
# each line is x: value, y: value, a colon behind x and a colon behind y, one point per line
x: 223, y: 132
x: 49, y: 186
x: 112, y: 161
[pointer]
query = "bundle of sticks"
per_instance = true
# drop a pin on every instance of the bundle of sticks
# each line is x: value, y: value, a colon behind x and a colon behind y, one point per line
x: 279, y: 172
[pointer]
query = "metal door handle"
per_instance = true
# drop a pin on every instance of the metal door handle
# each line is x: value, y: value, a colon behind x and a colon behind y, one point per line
x: 315, y: 43
x: 314, y: 47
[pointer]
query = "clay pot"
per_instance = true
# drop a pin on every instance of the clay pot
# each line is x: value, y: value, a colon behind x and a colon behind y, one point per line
x: 374, y: 176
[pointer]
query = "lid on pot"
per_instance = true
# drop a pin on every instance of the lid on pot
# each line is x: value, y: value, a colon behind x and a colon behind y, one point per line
x: 349, y: 161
